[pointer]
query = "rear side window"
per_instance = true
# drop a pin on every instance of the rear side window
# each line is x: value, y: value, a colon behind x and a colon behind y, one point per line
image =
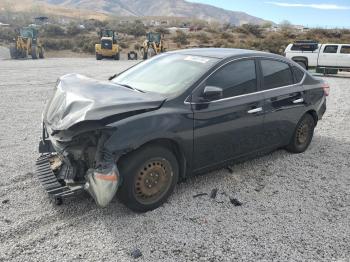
x: 330, y: 49
x: 298, y: 74
x: 345, y: 50
x: 236, y: 78
x: 276, y: 74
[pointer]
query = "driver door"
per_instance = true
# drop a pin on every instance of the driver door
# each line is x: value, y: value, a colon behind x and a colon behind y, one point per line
x: 230, y: 126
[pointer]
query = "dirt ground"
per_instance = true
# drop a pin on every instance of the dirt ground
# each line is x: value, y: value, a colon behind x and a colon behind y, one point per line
x: 294, y: 207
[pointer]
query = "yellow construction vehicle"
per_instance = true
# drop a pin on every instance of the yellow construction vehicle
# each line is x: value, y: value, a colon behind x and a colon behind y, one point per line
x: 108, y: 46
x: 153, y: 45
x: 27, y: 44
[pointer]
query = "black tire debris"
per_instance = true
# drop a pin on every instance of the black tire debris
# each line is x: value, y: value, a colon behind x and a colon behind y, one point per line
x: 235, y: 202
x: 213, y: 193
x: 200, y: 194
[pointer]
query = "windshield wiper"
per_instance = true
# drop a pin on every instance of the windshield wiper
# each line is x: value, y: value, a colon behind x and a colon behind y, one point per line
x: 130, y: 87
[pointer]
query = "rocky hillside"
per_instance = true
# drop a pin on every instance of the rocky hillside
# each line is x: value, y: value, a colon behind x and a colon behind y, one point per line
x: 178, y: 8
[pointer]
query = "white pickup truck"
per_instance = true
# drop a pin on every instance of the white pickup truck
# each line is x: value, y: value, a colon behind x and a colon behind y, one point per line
x: 323, y: 57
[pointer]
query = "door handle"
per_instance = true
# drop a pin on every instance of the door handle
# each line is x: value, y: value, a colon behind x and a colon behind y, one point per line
x: 255, y: 110
x: 298, y: 101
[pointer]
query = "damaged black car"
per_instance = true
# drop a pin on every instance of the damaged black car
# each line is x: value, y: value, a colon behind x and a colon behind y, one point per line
x: 179, y: 113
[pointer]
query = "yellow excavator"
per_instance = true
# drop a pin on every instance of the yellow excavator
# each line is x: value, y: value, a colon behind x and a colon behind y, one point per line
x: 108, y: 46
x: 153, y: 45
x: 27, y: 44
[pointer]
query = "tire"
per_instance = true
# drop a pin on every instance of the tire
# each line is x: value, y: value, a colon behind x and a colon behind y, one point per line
x: 35, y: 52
x: 132, y: 55
x: 302, y: 135
x: 117, y: 56
x: 144, y: 53
x: 13, y: 52
x: 98, y: 57
x: 41, y: 53
x: 144, y: 168
x: 302, y: 64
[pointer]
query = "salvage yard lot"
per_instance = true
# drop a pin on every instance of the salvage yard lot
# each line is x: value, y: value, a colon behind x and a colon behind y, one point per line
x: 294, y: 207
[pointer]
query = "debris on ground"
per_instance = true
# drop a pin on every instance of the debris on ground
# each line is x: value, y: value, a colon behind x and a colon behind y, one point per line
x: 213, y: 193
x: 5, y: 201
x: 200, y: 194
x: 230, y: 169
x: 235, y: 202
x: 136, y: 253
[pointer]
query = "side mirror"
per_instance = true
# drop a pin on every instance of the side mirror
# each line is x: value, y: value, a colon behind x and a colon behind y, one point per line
x: 212, y: 93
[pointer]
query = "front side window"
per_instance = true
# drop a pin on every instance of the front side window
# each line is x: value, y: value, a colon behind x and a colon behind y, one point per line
x: 236, y: 78
x: 331, y: 49
x: 276, y: 74
x: 345, y: 49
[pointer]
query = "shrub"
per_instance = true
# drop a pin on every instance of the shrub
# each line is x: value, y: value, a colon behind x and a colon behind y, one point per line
x: 162, y: 30
x: 181, y: 38
x: 53, y: 30
x: 7, y: 34
x: 123, y: 45
x: 73, y: 30
x: 203, y: 38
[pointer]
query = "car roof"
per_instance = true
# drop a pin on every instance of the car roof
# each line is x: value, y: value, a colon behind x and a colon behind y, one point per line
x: 223, y: 53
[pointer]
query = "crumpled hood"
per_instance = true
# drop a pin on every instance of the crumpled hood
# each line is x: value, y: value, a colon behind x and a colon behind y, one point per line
x: 78, y: 98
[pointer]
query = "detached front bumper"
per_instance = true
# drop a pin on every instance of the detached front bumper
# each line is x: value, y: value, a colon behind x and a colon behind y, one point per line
x: 102, y: 183
x: 48, y: 179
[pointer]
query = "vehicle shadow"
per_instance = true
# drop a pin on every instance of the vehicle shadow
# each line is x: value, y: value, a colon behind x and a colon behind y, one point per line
x: 249, y: 175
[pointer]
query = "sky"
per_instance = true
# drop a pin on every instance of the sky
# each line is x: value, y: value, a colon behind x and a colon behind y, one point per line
x: 311, y: 13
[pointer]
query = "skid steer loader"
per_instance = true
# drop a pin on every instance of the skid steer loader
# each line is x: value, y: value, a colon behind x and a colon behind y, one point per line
x: 27, y: 44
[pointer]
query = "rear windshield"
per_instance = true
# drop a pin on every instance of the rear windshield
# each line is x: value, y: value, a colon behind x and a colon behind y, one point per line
x: 304, y: 47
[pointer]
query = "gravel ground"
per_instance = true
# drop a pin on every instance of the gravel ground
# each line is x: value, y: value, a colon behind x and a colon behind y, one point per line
x: 4, y: 53
x: 294, y: 207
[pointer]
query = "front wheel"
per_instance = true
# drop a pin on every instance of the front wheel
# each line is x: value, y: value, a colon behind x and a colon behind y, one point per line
x: 35, y: 52
x: 117, y: 56
x: 98, y: 57
x: 303, y: 135
x: 149, y: 177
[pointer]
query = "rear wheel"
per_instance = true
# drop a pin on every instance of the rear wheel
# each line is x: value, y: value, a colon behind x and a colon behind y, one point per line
x: 303, y: 135
x: 41, y: 52
x: 149, y: 177
x: 117, y: 56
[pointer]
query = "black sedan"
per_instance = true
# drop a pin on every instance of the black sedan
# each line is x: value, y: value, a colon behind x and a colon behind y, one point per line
x: 177, y: 114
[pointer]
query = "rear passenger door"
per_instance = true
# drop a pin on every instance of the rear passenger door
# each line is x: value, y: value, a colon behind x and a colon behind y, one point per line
x: 284, y: 101
x: 344, y: 56
x: 329, y: 56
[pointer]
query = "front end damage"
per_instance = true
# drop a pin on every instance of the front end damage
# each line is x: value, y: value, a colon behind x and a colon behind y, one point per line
x: 75, y: 131
x: 68, y: 168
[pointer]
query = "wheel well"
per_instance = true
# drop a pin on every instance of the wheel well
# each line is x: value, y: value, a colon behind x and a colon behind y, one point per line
x: 314, y: 115
x: 301, y: 59
x: 174, y: 147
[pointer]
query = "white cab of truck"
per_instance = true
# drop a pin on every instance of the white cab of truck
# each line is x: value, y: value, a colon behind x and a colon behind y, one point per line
x: 310, y: 54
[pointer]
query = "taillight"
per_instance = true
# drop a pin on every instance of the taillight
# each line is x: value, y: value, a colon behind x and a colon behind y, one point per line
x: 326, y: 89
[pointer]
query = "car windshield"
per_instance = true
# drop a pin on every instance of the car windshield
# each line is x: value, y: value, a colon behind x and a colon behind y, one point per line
x: 166, y: 74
